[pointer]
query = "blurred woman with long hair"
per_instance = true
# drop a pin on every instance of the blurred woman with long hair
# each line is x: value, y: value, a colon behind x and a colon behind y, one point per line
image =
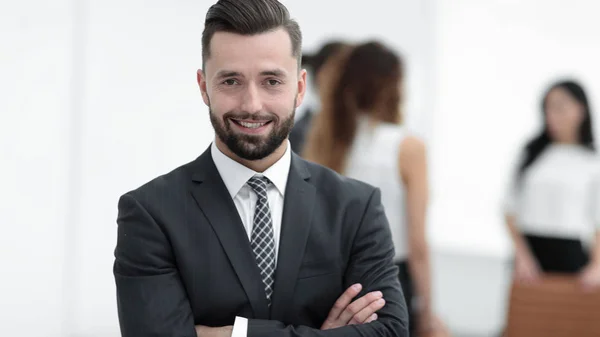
x: 553, y: 205
x: 358, y: 133
x: 313, y: 63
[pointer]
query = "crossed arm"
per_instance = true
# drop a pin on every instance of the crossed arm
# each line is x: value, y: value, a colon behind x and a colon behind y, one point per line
x: 152, y: 300
x: 344, y: 312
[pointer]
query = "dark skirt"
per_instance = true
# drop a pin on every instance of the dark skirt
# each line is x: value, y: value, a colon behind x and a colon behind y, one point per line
x: 408, y: 290
x: 556, y: 255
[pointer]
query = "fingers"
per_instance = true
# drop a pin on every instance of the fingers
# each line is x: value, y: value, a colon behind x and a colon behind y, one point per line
x: 526, y: 271
x: 342, y: 302
x: 528, y: 277
x: 200, y: 330
x: 535, y: 270
x: 534, y: 274
x: 372, y: 318
x: 366, y: 313
x: 585, y: 283
x: 360, y: 304
x: 588, y: 280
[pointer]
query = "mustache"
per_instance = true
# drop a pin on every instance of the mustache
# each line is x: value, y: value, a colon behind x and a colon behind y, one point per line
x: 262, y: 117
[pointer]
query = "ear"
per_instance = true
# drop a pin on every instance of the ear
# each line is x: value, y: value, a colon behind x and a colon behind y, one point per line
x: 201, y: 78
x: 301, y: 87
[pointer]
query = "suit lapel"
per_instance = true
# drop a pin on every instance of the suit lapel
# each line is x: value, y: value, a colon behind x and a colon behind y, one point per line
x: 218, y: 207
x: 295, y: 227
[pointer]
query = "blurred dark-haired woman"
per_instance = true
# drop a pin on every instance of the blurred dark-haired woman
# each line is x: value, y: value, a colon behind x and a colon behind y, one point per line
x: 313, y: 63
x: 359, y: 133
x: 552, y: 207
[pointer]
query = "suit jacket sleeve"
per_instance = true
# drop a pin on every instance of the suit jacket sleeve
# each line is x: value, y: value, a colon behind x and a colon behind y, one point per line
x: 371, y: 264
x: 151, y: 300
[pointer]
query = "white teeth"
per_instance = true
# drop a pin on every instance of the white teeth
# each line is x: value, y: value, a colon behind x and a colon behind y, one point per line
x: 251, y: 125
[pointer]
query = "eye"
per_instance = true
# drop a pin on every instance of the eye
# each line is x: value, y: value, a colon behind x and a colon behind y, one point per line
x: 230, y: 81
x: 273, y: 83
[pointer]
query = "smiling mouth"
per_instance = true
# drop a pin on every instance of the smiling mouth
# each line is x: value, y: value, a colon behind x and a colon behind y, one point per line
x: 250, y: 125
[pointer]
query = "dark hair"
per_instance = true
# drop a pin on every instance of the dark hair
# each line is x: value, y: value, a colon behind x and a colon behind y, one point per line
x: 316, y: 61
x: 537, y: 145
x: 363, y: 79
x: 249, y: 17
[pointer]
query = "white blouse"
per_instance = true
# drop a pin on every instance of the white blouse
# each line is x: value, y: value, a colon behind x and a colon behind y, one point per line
x: 559, y: 194
x: 373, y: 159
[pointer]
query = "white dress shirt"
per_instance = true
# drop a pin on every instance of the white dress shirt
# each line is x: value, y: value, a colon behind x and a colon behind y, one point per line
x: 235, y: 176
x: 559, y: 195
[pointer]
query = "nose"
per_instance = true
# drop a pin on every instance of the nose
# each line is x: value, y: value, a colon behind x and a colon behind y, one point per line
x: 251, y: 100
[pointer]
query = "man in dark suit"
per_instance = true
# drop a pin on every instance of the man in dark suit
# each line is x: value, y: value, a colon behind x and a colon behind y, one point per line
x: 314, y: 62
x: 249, y: 239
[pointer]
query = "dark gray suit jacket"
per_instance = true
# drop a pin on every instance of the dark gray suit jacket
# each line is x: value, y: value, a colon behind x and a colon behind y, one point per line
x: 183, y: 257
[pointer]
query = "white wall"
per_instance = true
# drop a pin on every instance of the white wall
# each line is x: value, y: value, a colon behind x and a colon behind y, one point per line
x: 35, y: 133
x: 143, y: 116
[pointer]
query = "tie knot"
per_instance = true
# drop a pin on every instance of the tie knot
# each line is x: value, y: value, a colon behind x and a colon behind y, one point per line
x: 259, y: 185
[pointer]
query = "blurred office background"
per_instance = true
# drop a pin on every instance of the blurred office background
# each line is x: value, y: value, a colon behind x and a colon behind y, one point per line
x: 98, y: 97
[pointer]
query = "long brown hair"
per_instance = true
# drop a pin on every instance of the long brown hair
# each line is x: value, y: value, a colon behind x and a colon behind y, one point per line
x: 364, y: 79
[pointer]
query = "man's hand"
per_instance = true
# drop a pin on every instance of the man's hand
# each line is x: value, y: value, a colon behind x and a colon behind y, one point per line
x: 205, y: 331
x: 358, y: 312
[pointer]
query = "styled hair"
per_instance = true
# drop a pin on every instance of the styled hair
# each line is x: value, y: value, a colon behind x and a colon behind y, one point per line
x: 360, y: 80
x: 536, y: 146
x: 249, y: 17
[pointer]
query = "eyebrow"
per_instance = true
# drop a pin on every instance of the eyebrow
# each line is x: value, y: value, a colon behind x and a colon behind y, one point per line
x: 274, y: 72
x: 229, y: 73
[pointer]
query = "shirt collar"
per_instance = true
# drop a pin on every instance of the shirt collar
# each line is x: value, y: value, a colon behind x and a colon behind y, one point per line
x: 235, y: 175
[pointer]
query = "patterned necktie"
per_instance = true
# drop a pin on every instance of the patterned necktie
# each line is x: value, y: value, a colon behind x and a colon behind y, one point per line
x: 262, y: 240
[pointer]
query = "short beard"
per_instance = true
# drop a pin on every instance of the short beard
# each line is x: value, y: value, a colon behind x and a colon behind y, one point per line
x: 252, y: 147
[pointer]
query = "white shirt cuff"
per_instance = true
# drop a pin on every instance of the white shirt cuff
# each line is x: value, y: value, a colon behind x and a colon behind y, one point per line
x: 240, y: 327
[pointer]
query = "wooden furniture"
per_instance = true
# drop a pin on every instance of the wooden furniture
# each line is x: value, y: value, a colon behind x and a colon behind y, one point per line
x: 554, y: 307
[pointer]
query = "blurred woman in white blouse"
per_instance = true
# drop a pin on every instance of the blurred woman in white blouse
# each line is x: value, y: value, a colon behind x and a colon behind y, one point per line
x: 359, y: 133
x: 552, y: 206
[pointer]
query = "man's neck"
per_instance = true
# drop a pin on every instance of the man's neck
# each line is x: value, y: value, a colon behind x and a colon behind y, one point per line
x: 260, y: 165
